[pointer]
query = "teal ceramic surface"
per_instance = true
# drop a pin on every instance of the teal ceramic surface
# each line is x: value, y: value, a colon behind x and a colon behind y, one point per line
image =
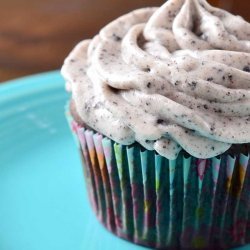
x: 43, y: 201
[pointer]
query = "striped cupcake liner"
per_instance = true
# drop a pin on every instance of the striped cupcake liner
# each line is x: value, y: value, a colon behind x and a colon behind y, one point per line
x: 147, y: 199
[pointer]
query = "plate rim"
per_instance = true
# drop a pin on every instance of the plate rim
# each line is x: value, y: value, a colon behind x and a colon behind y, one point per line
x: 30, y: 84
x: 27, y: 78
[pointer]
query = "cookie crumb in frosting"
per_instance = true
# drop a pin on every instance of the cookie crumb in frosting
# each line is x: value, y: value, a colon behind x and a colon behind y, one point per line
x: 246, y: 69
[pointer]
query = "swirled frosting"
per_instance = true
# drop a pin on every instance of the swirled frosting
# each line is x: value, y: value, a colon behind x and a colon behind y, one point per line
x: 171, y: 78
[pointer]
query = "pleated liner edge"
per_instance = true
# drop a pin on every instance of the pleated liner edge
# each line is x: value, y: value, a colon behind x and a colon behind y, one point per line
x: 186, y: 203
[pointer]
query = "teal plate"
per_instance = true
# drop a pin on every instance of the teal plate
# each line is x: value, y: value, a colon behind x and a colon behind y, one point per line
x: 43, y: 201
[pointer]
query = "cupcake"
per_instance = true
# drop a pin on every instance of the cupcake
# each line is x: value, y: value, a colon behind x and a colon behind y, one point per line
x: 160, y: 107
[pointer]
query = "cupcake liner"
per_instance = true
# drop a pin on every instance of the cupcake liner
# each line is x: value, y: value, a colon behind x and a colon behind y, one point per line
x: 185, y: 203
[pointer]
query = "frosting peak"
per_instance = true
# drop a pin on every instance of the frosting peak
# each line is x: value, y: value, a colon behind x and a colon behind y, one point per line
x: 170, y: 78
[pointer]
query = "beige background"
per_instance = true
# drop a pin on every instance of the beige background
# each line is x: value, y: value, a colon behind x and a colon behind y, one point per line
x: 36, y: 35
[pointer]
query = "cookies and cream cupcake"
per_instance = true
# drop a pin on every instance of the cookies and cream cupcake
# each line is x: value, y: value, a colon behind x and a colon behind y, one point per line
x: 161, y: 107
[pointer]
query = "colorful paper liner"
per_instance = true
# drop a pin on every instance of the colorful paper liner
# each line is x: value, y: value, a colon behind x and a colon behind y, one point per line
x: 186, y: 203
